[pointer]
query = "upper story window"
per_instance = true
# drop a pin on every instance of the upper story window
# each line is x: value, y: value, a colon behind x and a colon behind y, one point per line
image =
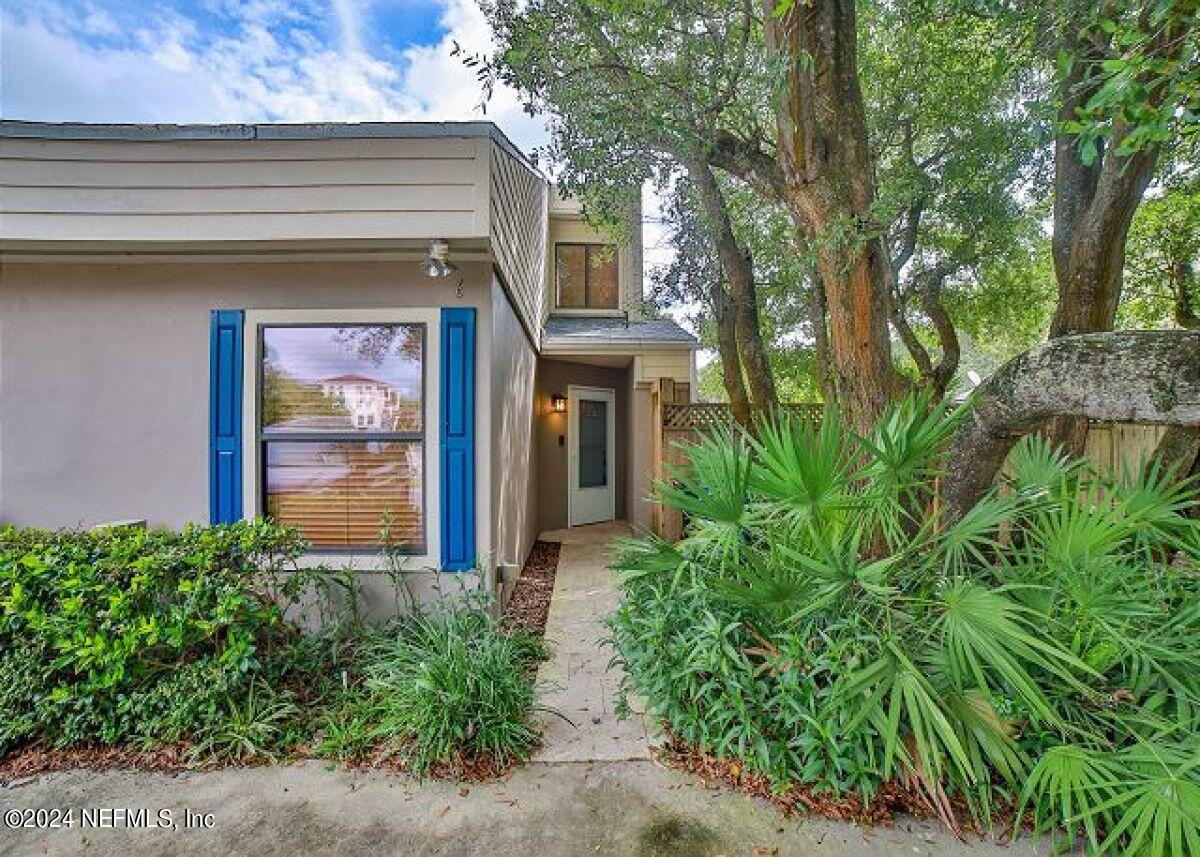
x: 586, y: 276
x: 341, y: 432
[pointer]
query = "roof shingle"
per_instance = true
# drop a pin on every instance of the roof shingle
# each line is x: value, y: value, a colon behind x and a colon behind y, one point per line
x: 588, y: 330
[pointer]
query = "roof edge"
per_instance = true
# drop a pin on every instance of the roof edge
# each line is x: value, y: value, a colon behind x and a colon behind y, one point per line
x: 260, y: 131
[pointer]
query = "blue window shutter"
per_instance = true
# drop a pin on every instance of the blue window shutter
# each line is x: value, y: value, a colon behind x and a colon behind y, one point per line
x: 225, y: 417
x: 457, y: 439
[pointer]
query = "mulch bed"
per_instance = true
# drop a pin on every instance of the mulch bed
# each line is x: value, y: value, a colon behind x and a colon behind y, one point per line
x: 530, y: 602
x: 30, y: 761
x: 892, y: 800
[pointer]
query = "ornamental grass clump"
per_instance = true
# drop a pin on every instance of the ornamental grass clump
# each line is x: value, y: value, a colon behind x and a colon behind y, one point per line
x: 443, y: 690
x: 825, y: 624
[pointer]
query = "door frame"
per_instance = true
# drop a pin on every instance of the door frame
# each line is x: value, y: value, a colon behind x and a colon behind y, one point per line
x: 573, y: 395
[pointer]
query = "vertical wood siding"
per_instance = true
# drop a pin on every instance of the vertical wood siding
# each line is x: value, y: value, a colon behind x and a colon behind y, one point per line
x: 519, y: 201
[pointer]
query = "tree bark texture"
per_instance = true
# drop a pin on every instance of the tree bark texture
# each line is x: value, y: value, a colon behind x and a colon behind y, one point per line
x: 1094, y: 203
x: 1129, y: 376
x: 820, y: 331
x: 1178, y: 449
x: 828, y: 186
x: 738, y: 269
x: 1183, y: 284
x: 727, y: 350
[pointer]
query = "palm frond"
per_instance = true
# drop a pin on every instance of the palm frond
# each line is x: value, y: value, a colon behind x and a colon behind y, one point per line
x: 1068, y: 786
x: 1036, y: 465
x: 988, y: 639
x: 804, y: 467
x: 1157, y: 811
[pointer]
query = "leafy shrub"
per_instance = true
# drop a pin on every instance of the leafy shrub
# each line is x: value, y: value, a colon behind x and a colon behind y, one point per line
x: 136, y: 632
x: 825, y: 624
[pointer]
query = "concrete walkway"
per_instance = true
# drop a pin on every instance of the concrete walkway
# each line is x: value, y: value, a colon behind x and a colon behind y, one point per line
x: 600, y: 809
x: 577, y: 682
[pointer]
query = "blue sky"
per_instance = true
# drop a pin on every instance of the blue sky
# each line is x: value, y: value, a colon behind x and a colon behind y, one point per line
x: 246, y: 60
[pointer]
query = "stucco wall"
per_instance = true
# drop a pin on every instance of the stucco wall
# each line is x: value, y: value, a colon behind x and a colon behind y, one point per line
x: 104, y: 376
x: 514, y: 487
x: 554, y: 376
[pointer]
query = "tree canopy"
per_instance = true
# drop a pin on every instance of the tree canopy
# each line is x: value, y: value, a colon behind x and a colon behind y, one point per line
x: 865, y: 196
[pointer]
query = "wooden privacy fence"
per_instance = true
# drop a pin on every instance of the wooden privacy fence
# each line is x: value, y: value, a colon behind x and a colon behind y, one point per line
x: 1109, y: 445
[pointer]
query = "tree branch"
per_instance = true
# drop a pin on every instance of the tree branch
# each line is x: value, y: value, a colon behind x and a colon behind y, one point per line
x: 1140, y: 376
x: 748, y: 161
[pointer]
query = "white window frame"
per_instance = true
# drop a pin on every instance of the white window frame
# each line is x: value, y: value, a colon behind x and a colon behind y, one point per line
x: 251, y: 450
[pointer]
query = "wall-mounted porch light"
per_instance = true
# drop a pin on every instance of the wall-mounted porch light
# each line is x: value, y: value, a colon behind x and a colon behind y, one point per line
x: 558, y: 403
x: 438, y: 263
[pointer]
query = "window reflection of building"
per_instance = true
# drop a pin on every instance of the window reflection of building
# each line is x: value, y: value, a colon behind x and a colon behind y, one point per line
x: 344, y: 452
x: 372, y: 404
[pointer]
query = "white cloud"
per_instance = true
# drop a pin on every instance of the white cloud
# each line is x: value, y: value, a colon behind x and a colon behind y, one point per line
x: 97, y: 22
x: 270, y: 61
x: 350, y: 22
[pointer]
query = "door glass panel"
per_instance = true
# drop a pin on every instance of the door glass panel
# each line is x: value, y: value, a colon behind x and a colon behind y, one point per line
x: 593, y: 443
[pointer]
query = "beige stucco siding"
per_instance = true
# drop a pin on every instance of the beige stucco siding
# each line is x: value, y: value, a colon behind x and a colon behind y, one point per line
x: 219, y: 190
x: 513, y: 454
x: 678, y: 364
x: 104, y: 377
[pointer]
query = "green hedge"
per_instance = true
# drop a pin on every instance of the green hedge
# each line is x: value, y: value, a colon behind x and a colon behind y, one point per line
x: 125, y: 634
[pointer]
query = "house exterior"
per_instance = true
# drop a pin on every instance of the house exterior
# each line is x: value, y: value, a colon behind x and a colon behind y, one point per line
x: 343, y: 326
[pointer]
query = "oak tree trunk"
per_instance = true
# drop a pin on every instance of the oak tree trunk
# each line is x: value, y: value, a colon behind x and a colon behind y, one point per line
x: 828, y: 187
x: 738, y: 269
x: 1178, y: 449
x: 727, y: 350
x: 1094, y: 202
x: 818, y: 318
x: 1138, y: 376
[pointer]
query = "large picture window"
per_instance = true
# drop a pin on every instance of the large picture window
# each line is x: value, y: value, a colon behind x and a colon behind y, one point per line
x: 586, y: 276
x: 341, y: 429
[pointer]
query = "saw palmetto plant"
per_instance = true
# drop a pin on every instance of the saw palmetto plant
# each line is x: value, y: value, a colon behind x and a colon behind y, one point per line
x: 822, y: 621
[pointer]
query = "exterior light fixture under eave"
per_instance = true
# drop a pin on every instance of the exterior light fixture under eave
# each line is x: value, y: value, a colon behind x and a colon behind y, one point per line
x: 438, y: 262
x: 558, y: 403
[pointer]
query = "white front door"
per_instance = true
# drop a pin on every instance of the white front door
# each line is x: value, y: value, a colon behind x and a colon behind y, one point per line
x: 592, y: 455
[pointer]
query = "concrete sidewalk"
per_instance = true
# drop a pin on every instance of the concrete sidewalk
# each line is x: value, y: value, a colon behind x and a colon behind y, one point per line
x: 577, y: 683
x: 601, y: 809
